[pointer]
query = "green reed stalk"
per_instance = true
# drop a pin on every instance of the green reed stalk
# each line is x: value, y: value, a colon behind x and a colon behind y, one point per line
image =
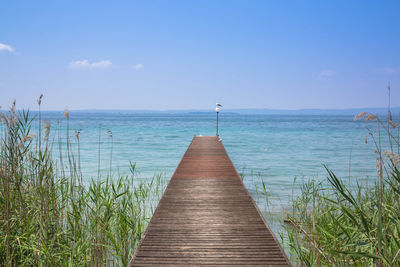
x: 49, y: 218
x: 343, y: 225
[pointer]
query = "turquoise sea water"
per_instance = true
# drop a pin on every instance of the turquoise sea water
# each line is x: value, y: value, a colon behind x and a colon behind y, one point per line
x: 272, y: 148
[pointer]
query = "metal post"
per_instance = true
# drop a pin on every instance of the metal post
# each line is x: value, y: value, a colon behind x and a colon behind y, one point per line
x: 217, y: 109
x: 217, y: 123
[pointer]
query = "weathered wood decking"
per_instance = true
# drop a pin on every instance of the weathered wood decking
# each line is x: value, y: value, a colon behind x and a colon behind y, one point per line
x: 207, y: 217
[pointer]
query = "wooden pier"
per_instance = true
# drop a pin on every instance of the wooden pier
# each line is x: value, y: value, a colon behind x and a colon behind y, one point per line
x: 207, y: 217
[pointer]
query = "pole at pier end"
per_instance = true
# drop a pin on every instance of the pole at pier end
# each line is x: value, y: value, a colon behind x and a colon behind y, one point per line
x: 217, y: 109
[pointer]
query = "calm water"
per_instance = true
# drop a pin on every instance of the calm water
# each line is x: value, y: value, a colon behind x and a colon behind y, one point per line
x: 272, y: 148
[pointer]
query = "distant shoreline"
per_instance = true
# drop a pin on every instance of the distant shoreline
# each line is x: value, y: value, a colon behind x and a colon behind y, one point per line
x: 380, y: 111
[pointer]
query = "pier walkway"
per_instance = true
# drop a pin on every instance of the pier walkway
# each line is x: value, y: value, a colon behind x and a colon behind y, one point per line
x: 207, y: 217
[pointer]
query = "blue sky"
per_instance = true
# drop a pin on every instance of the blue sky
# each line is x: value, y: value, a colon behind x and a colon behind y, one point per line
x: 188, y: 54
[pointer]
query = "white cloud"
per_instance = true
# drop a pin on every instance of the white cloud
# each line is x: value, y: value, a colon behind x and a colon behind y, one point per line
x: 5, y: 47
x: 137, y: 66
x: 103, y: 64
x: 391, y: 70
x: 326, y: 74
x: 85, y: 64
x: 79, y: 64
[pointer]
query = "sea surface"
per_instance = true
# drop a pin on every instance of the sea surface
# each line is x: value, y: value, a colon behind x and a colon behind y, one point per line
x: 280, y: 150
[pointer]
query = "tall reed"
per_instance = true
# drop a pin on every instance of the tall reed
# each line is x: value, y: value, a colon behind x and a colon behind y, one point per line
x: 48, y: 217
x: 340, y: 224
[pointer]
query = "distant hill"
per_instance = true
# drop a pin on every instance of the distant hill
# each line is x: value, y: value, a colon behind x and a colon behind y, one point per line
x: 381, y: 111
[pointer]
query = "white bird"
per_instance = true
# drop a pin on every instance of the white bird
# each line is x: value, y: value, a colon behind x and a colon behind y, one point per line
x: 218, y: 104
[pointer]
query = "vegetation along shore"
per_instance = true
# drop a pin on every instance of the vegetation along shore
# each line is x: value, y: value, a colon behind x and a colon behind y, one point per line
x: 50, y: 217
x: 348, y: 223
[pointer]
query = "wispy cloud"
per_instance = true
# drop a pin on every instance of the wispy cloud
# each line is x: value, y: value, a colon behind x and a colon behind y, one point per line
x: 137, y: 66
x: 86, y: 64
x: 326, y: 74
x: 6, y: 47
x: 391, y: 70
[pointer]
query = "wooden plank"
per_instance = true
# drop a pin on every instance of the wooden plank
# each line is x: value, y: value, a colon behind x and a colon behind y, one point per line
x: 207, y: 217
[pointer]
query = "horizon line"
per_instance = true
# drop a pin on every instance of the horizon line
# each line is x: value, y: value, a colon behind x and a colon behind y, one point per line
x: 208, y: 110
